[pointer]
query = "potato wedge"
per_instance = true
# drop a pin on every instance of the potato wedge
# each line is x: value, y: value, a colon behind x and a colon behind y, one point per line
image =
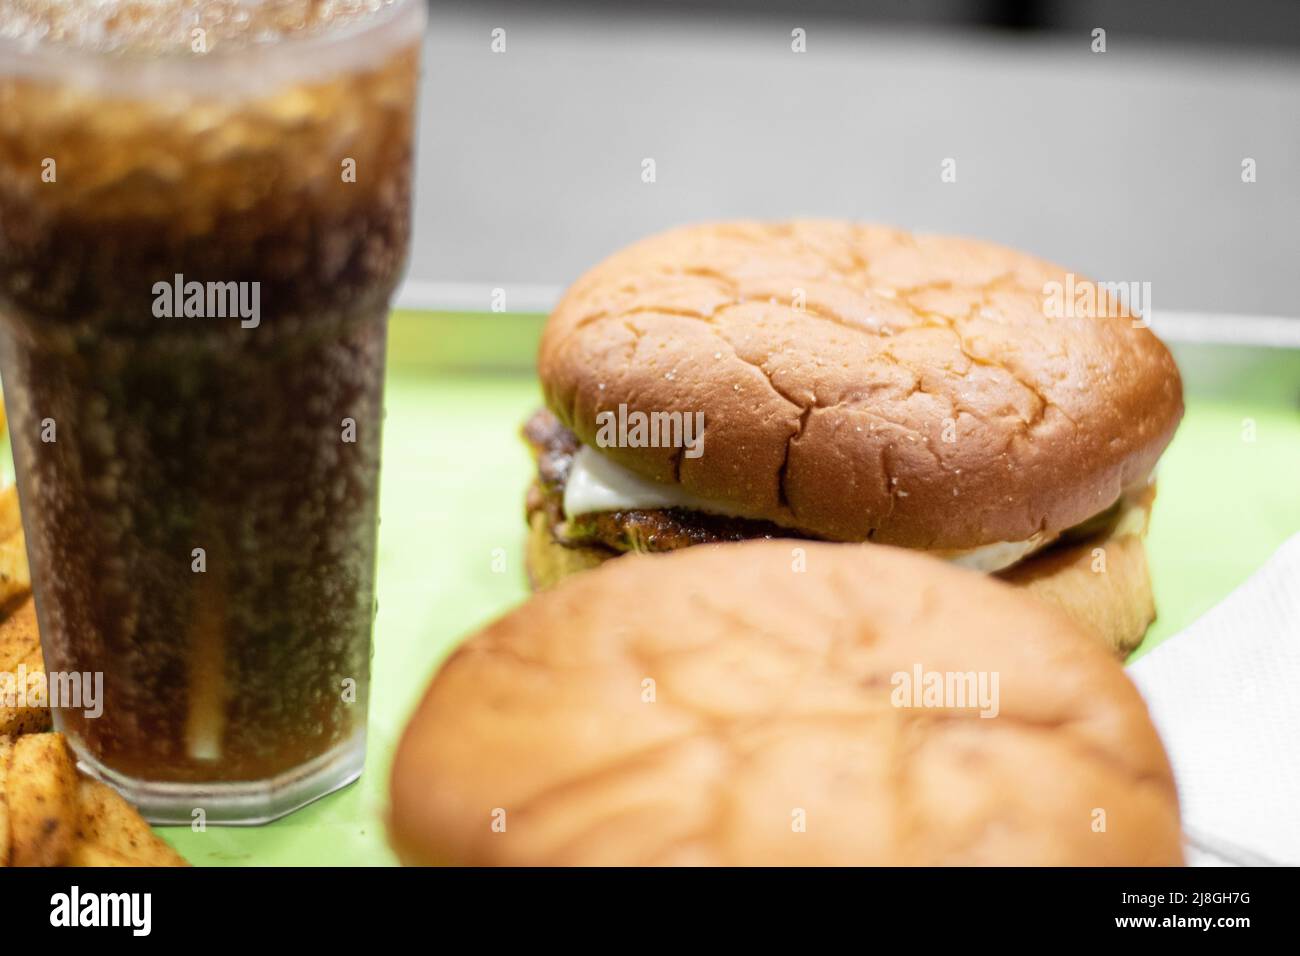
x: 19, y: 636
x: 88, y: 854
x: 20, y: 644
x: 42, y: 795
x: 15, y: 575
x: 11, y: 517
x: 111, y: 828
x: 6, y: 748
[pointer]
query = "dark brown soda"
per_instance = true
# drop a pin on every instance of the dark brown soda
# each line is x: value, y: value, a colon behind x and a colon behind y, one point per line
x: 185, y: 433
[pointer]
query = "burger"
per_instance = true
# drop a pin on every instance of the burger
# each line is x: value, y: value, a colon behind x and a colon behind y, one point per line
x: 859, y: 384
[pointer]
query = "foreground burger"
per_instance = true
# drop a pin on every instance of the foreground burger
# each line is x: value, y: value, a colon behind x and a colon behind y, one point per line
x: 854, y: 383
x: 778, y: 702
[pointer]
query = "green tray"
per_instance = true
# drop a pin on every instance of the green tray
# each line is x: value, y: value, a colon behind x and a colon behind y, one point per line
x: 454, y: 477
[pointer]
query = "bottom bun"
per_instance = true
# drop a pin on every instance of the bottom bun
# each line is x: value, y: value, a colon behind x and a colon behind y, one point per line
x: 1101, y: 582
x: 736, y: 705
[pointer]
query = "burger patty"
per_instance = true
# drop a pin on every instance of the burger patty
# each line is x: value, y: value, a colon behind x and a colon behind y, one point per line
x: 659, y: 529
x: 665, y: 529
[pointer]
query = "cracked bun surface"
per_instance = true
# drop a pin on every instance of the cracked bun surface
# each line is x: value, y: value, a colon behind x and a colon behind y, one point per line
x: 863, y: 383
x: 748, y: 712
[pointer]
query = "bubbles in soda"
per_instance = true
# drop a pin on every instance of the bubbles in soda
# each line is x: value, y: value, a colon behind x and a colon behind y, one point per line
x: 162, y: 27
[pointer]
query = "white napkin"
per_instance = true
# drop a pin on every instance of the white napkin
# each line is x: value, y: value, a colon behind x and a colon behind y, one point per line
x: 1225, y: 695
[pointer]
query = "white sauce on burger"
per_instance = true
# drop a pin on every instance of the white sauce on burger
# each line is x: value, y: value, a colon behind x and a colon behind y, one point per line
x: 595, y: 484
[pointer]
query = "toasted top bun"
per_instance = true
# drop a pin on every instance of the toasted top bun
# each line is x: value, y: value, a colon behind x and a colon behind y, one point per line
x: 740, y: 704
x: 862, y: 383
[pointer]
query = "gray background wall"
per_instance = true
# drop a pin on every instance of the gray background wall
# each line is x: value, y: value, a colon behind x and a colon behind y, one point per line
x: 1124, y: 165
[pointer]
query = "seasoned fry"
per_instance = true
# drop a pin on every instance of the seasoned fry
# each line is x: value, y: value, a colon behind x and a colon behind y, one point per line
x: 15, y: 576
x: 20, y: 660
x: 51, y: 817
x: 110, y: 828
x: 19, y: 636
x: 42, y: 794
x: 88, y: 854
x: 6, y: 749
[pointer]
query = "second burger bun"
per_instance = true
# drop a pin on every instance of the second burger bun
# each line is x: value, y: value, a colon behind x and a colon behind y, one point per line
x: 739, y: 704
x: 864, y: 383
